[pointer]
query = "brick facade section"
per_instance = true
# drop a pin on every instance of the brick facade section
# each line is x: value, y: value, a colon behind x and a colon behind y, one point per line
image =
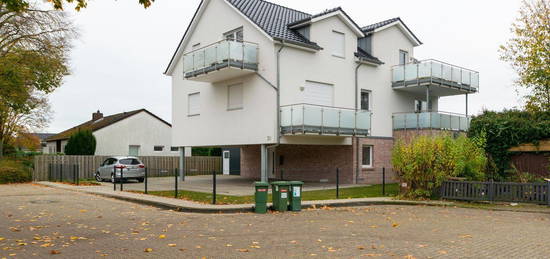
x: 381, y: 158
x: 250, y: 161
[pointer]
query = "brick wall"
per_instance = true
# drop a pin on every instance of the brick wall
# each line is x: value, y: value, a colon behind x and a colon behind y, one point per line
x: 250, y: 161
x: 381, y: 156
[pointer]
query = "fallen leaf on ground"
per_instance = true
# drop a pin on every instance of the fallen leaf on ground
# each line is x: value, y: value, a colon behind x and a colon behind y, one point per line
x: 243, y: 250
x: 361, y: 247
x: 148, y: 250
x: 55, y: 252
x: 171, y: 245
x: 466, y: 236
x: 228, y: 245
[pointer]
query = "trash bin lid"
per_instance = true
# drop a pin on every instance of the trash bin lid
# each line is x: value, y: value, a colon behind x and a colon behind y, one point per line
x: 280, y: 183
x: 296, y: 183
x: 261, y: 184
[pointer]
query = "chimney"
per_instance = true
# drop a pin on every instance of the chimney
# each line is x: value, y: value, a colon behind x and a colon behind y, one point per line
x: 97, y: 115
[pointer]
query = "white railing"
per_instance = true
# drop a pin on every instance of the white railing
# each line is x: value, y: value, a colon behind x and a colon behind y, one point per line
x: 431, y: 120
x: 324, y: 120
x: 439, y: 72
x: 222, y: 52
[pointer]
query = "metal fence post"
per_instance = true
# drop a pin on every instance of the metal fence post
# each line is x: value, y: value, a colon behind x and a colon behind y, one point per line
x: 176, y: 171
x: 548, y: 192
x: 74, y: 174
x: 383, y: 181
x: 121, y: 179
x: 491, y: 190
x: 61, y: 172
x: 145, y: 180
x: 337, y: 183
x: 77, y: 174
x: 50, y: 172
x: 114, y: 179
x: 214, y: 187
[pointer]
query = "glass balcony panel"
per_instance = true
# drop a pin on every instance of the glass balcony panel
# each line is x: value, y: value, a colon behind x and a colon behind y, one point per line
x: 363, y: 120
x: 210, y: 56
x: 436, y: 69
x: 347, y: 119
x: 464, y: 123
x: 250, y: 53
x: 466, y: 77
x: 330, y: 118
x: 455, y: 122
x: 411, y: 71
x: 398, y: 73
x: 188, y: 63
x: 223, y: 51
x: 424, y: 120
x: 198, y: 60
x: 236, y: 50
x: 446, y: 72
x: 456, y: 75
x: 297, y: 115
x: 411, y: 120
x: 313, y: 115
x: 475, y: 80
x: 424, y: 69
x: 445, y: 120
x: 399, y: 121
x: 435, y: 120
x: 286, y: 115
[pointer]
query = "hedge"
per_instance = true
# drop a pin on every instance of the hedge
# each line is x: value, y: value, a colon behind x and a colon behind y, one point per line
x: 14, y: 171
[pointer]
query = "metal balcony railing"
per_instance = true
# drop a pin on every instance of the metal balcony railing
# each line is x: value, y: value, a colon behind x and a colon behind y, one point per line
x: 433, y: 72
x: 222, y: 54
x: 431, y: 120
x: 324, y: 120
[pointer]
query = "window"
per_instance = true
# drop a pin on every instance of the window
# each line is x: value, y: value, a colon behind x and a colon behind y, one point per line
x: 194, y: 104
x: 420, y: 106
x: 403, y: 57
x: 339, y: 44
x: 174, y: 149
x: 235, y: 97
x: 236, y: 34
x: 133, y: 151
x: 367, y: 156
x: 304, y: 31
x: 158, y: 148
x: 365, y: 100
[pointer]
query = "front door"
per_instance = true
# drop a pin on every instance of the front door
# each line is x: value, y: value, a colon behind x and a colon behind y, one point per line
x: 226, y: 165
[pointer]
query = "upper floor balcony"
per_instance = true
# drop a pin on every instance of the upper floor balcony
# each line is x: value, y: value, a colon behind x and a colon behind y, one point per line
x: 431, y: 120
x: 324, y: 120
x: 443, y: 79
x: 223, y: 60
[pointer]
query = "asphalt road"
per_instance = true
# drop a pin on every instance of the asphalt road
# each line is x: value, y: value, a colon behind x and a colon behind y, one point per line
x: 40, y: 222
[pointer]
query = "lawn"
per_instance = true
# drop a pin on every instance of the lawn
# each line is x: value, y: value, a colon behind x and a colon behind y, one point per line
x: 345, y: 193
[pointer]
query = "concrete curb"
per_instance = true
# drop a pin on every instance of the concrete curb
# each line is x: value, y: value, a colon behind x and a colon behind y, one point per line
x: 193, y: 207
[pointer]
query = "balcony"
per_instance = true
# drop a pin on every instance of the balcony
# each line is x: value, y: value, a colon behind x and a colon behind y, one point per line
x: 431, y: 120
x: 220, y: 61
x: 442, y: 78
x: 324, y: 120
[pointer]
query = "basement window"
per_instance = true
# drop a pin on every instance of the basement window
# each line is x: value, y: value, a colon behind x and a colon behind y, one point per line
x: 367, y: 156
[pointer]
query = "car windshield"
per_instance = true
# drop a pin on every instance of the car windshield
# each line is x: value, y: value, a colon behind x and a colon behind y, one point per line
x: 129, y: 161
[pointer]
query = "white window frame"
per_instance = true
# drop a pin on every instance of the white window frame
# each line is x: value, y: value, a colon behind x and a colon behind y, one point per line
x: 369, y: 92
x: 371, y: 148
x: 190, y: 112
x: 236, y: 106
x: 234, y: 34
x: 336, y: 45
x: 407, y: 57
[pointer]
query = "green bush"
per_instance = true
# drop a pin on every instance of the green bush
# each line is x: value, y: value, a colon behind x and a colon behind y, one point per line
x: 81, y: 143
x: 507, y: 129
x: 427, y: 161
x: 13, y: 171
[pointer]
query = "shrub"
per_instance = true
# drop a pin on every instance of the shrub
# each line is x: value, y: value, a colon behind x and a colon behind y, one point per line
x: 12, y: 171
x: 427, y: 161
x: 81, y: 143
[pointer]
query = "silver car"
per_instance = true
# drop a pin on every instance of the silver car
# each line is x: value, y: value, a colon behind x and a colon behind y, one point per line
x: 131, y: 167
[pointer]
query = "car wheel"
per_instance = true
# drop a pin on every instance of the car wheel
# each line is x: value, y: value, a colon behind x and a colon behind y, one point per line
x: 98, y: 177
x: 141, y: 180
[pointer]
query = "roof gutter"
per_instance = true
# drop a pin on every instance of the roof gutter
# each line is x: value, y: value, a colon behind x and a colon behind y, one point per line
x: 300, y: 45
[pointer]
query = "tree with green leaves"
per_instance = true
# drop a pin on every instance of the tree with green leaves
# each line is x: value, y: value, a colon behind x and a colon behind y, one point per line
x: 23, y: 5
x: 81, y: 143
x: 528, y: 51
x: 34, y: 54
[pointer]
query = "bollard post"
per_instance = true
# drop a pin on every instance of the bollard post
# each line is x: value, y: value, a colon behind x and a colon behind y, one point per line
x: 176, y: 171
x: 548, y: 192
x: 77, y: 174
x: 383, y: 181
x: 114, y: 179
x: 337, y: 183
x: 121, y: 179
x: 214, y: 187
x: 145, y: 180
x: 61, y: 173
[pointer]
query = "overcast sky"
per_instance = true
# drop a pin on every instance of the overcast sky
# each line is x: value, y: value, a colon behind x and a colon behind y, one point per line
x: 119, y: 60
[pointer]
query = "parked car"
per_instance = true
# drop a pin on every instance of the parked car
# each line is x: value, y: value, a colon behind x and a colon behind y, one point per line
x: 131, y: 168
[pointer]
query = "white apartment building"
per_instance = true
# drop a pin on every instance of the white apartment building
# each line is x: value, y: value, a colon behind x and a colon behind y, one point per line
x: 305, y: 94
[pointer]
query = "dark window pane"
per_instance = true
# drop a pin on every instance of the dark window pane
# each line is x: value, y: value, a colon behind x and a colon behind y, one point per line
x: 364, y: 101
x: 129, y: 161
x: 367, y: 155
x: 158, y: 148
x: 174, y: 149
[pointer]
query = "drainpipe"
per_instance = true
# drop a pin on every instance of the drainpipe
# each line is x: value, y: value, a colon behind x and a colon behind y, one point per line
x: 356, y: 109
x: 277, y: 89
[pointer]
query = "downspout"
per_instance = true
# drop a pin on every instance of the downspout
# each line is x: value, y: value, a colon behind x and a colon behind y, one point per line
x: 277, y: 89
x: 356, y: 109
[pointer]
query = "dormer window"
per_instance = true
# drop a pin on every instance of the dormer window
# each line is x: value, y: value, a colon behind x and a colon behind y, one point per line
x: 304, y: 31
x: 235, y: 35
x: 338, y: 44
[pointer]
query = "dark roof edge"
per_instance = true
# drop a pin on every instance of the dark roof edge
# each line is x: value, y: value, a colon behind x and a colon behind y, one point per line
x: 313, y: 45
x: 367, y: 30
x: 337, y: 9
x: 370, y: 60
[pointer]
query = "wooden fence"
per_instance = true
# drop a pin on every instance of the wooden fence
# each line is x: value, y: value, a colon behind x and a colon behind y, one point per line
x: 497, y: 191
x: 158, y: 165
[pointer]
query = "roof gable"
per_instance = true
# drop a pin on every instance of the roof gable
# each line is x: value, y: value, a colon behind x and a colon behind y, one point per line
x: 338, y: 11
x: 379, y: 26
x: 101, y: 123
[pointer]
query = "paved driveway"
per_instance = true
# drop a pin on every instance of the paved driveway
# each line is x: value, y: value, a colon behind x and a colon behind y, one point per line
x: 226, y: 184
x: 38, y: 221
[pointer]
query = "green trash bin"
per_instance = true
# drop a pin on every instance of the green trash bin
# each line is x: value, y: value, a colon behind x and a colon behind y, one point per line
x: 280, y: 195
x: 295, y: 195
x: 260, y: 197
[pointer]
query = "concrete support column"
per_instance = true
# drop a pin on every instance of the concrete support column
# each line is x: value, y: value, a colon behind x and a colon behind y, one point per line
x: 428, y: 103
x: 263, y: 161
x: 466, y: 105
x: 182, y: 163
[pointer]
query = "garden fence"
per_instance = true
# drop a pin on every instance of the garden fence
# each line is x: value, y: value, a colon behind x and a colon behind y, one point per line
x: 496, y: 191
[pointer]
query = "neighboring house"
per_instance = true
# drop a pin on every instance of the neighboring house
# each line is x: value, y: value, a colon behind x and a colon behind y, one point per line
x: 43, y: 143
x: 306, y: 93
x: 135, y: 133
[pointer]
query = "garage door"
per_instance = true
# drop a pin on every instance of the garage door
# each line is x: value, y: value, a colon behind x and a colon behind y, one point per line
x: 318, y: 94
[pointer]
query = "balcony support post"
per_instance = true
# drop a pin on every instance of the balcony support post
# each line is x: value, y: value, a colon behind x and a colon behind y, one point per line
x: 466, y: 105
x: 263, y: 161
x: 428, y: 103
